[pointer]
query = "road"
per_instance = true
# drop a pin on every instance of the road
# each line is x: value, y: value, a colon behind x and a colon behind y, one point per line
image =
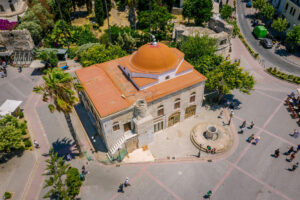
x: 268, y: 55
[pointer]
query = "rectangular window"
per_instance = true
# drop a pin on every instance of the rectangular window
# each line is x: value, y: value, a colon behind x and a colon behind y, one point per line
x: 160, y: 112
x: 299, y: 17
x: 286, y: 6
x: 291, y: 10
x: 177, y: 105
x: 294, y: 12
x: 158, y: 126
x: 127, y: 126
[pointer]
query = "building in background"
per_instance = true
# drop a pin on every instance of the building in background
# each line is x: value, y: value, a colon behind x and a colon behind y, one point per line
x: 291, y: 11
x: 133, y: 97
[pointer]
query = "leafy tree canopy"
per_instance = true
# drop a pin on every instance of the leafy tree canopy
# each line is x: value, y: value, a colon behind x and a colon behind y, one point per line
x: 160, y: 21
x: 99, y: 12
x: 267, y: 11
x: 193, y: 47
x: 259, y: 4
x: 73, y: 182
x: 293, y: 37
x: 99, y: 53
x: 280, y: 25
x: 11, y: 135
x: 228, y: 76
x: 226, y: 11
x: 34, y: 29
x: 65, y: 6
x: 187, y: 9
x: 50, y: 58
x: 200, y: 10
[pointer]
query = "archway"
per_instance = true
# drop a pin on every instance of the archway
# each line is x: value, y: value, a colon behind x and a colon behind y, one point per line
x: 190, y: 111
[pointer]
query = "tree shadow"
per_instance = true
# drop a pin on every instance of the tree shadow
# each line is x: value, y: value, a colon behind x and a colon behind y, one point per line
x: 4, y: 158
x: 65, y: 146
x: 282, y: 52
x: 79, y: 14
x: 234, y: 103
x: 37, y: 71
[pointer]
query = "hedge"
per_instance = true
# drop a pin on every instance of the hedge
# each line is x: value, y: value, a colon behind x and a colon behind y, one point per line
x: 287, y: 77
x: 237, y: 31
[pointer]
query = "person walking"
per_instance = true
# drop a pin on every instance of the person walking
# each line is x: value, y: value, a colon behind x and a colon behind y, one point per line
x: 221, y: 115
x: 251, y: 125
x: 250, y: 138
x: 295, y: 134
x: 5, y: 71
x: 294, y: 167
x: 277, y: 153
x: 291, y: 149
x: 126, y: 183
x: 292, y: 157
x: 121, y: 187
x: 243, y: 124
x: 242, y: 130
x: 298, y: 148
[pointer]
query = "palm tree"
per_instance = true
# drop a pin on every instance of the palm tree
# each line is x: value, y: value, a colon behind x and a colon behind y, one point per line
x: 58, y: 89
x: 131, y: 16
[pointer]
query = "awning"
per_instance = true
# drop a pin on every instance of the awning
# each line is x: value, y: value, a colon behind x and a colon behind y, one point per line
x: 9, y: 106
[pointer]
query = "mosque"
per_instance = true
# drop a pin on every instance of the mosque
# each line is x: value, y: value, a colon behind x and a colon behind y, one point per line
x: 134, y: 97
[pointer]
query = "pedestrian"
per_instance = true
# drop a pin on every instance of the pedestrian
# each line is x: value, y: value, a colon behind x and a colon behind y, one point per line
x: 251, y: 125
x: 243, y: 124
x: 2, y: 73
x: 69, y: 157
x: 277, y: 153
x: 230, y: 117
x: 5, y: 71
x: 294, y: 167
x: 213, y: 151
x: 121, y: 187
x: 199, y: 154
x: 292, y: 157
x: 291, y: 149
x: 208, y: 194
x: 208, y: 149
x: 298, y: 148
x: 227, y: 103
x: 83, y: 168
x: 256, y: 140
x: 242, y: 130
x: 295, y: 134
x: 250, y: 138
x: 126, y: 183
x: 221, y: 115
x: 36, y: 144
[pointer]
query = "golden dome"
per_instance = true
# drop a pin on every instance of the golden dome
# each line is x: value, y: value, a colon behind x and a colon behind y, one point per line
x: 154, y: 58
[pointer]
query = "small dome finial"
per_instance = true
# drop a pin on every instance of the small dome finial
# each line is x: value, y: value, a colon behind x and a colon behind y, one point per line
x: 153, y: 40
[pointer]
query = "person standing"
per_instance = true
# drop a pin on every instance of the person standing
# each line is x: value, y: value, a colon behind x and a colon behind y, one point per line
x: 291, y: 149
x: 221, y: 115
x: 277, y: 153
x: 230, y: 117
x: 295, y: 134
x: 126, y: 183
x: 251, y: 125
x: 295, y: 166
x: 292, y: 157
x: 242, y: 130
x: 121, y: 187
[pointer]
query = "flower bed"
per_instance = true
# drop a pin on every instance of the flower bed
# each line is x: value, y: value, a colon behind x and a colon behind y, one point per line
x: 287, y: 77
x: 6, y: 25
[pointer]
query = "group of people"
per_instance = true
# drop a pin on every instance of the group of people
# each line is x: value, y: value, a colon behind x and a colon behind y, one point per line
x: 125, y: 184
x: 292, y: 153
x: 3, y: 71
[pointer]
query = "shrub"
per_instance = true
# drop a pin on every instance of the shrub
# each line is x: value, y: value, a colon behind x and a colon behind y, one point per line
x: 21, y: 115
x: 283, y: 76
x: 27, y: 143
x: 7, y: 195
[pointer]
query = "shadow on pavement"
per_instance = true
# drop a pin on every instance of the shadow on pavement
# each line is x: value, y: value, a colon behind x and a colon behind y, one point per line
x: 65, y: 146
x: 6, y: 157
x: 90, y: 128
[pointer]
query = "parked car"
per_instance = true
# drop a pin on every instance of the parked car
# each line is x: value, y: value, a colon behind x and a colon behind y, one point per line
x: 249, y: 4
x: 267, y: 43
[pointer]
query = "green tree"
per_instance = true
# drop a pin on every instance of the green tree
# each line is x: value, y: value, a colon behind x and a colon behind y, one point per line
x: 202, y: 11
x: 229, y: 76
x: 99, y: 12
x: 226, y: 11
x: 11, y: 135
x: 50, y: 58
x: 160, y: 21
x: 29, y: 16
x: 34, y: 29
x: 126, y: 42
x: 131, y: 16
x: 207, y: 63
x: 259, y: 4
x: 193, y: 49
x: 99, y: 53
x: 55, y: 170
x: 58, y: 88
x: 187, y: 8
x: 293, y: 37
x: 169, y: 4
x: 280, y: 25
x: 57, y: 37
x: 267, y: 11
x: 65, y: 7
x: 45, y: 18
x: 73, y: 182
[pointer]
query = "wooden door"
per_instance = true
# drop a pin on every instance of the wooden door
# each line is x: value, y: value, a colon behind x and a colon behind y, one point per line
x: 190, y: 111
x: 131, y: 144
x: 127, y: 126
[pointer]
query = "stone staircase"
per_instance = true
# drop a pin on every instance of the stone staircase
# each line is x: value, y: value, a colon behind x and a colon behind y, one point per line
x: 117, y: 145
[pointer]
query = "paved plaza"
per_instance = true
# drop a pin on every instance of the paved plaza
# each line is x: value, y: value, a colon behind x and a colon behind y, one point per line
x: 248, y: 173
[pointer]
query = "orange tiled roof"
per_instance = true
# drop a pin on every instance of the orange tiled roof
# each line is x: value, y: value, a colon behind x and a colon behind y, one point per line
x: 105, y: 83
x: 140, y: 82
x: 184, y: 67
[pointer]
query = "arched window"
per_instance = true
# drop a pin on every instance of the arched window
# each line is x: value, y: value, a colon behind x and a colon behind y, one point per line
x: 116, y: 126
x: 160, y: 110
x: 177, y: 103
x: 193, y: 97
